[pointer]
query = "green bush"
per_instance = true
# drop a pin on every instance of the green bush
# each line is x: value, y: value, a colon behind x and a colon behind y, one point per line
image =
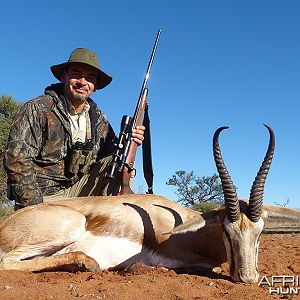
x: 8, y: 107
x: 205, y: 206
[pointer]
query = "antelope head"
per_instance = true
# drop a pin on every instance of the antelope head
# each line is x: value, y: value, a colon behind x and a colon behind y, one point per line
x: 243, y: 222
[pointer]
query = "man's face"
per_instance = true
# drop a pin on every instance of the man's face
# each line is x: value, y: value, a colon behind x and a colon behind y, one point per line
x: 79, y: 82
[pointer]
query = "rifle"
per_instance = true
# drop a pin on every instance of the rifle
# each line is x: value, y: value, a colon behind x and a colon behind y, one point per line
x: 124, y: 156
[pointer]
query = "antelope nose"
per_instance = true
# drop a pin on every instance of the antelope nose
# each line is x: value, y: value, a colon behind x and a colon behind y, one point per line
x: 248, y: 276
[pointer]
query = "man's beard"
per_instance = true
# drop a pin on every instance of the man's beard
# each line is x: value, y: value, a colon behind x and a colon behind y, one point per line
x: 79, y: 97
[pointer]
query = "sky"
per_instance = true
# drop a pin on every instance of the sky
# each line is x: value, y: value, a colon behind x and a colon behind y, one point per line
x: 218, y: 62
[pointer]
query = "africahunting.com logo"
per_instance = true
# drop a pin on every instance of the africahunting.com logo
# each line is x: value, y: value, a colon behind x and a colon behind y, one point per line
x: 281, y: 284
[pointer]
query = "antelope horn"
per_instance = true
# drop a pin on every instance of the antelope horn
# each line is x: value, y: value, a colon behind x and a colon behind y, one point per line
x: 231, y: 200
x: 257, y: 189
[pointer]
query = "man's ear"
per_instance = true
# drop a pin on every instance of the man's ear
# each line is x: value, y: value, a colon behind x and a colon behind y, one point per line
x: 62, y: 78
x: 95, y: 85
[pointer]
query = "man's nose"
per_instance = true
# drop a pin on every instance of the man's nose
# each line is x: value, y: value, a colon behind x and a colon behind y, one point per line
x: 82, y: 80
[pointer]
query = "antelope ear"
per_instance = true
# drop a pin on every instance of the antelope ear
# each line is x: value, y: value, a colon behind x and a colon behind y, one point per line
x: 207, y: 219
x: 280, y: 219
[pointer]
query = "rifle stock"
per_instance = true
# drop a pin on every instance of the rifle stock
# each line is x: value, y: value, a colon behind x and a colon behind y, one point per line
x: 128, y: 168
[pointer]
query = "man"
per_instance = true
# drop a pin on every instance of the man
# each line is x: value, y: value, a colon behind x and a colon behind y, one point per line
x: 60, y: 144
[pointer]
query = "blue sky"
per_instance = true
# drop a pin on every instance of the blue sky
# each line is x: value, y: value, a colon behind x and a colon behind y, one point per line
x: 234, y: 63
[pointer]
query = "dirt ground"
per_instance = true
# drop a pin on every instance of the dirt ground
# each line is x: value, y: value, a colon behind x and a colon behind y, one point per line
x: 279, y: 255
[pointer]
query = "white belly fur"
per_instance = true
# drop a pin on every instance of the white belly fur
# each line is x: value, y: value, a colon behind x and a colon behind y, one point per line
x: 118, y: 253
x: 107, y: 251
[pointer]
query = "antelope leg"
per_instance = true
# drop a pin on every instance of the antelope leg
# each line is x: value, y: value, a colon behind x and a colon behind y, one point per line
x: 71, y: 262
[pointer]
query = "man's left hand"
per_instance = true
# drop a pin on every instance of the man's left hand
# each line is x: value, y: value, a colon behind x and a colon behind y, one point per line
x: 138, y: 134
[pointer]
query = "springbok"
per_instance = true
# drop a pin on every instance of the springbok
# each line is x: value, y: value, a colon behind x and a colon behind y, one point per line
x: 111, y: 233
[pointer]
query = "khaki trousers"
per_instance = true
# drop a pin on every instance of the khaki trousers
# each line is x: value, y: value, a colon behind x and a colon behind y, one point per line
x: 92, y: 184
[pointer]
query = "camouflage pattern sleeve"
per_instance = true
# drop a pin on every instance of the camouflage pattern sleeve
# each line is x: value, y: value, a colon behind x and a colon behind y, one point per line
x: 23, y: 146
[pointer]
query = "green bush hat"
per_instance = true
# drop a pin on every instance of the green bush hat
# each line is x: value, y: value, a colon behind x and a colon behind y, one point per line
x: 85, y: 56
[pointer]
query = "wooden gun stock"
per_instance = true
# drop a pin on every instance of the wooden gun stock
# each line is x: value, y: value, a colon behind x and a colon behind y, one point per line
x: 128, y: 171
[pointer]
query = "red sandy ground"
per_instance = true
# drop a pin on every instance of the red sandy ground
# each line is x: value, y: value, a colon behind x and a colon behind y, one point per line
x: 279, y: 255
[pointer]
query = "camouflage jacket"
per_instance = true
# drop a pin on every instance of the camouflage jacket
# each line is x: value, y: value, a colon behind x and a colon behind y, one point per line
x: 39, y: 145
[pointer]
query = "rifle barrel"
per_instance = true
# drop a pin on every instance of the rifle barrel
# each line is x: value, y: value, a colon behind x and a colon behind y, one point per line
x: 146, y: 76
x: 151, y: 60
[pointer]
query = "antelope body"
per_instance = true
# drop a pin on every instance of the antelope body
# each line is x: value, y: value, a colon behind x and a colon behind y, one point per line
x: 112, y: 233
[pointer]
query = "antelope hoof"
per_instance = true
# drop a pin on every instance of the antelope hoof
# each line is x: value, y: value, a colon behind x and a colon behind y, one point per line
x: 217, y: 270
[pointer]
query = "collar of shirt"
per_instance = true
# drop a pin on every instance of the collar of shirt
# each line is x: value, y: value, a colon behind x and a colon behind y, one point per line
x: 72, y: 111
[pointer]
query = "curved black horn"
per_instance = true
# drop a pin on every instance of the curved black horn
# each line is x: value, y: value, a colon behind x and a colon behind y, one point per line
x: 257, y: 190
x: 231, y: 200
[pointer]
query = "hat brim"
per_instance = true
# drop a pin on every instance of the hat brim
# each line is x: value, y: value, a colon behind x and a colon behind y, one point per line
x: 103, y: 79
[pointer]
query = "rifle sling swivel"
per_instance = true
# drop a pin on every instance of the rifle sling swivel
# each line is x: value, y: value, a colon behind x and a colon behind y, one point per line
x: 130, y: 170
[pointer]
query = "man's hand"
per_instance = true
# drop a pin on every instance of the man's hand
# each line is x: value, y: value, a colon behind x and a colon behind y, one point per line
x: 138, y: 134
